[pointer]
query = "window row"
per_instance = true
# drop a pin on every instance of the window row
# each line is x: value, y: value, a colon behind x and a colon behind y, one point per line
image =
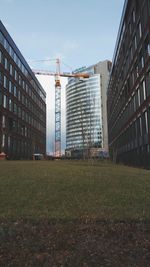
x: 140, y: 95
x: 136, y: 134
x: 24, y: 115
x: 9, y: 85
x: 20, y: 65
x: 15, y: 91
x: 16, y: 146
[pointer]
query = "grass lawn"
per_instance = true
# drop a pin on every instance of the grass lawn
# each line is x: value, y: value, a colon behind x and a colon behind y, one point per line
x: 63, y: 205
x: 72, y: 190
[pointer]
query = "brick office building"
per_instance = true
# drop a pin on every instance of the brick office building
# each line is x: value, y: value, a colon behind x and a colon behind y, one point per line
x: 129, y: 87
x: 22, y: 104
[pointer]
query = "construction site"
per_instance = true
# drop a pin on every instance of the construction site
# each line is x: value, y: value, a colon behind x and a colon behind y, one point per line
x: 87, y: 126
x: 25, y: 120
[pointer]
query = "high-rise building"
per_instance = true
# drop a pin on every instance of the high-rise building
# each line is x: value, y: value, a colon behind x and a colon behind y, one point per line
x: 86, y: 113
x: 22, y: 104
x: 129, y: 87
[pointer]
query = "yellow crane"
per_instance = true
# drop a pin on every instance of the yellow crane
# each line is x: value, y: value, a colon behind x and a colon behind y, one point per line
x: 57, y: 75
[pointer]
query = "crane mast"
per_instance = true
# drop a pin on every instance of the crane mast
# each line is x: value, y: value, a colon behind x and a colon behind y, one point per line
x: 57, y: 111
x: 57, y: 75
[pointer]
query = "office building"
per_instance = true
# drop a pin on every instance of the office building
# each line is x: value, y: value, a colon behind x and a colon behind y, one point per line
x: 86, y: 113
x: 22, y: 104
x: 129, y: 87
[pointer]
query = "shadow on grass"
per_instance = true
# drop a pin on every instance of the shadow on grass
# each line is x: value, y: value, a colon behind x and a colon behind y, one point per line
x: 83, y: 242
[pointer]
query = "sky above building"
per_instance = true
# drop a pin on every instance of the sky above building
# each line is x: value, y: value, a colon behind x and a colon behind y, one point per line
x: 79, y: 32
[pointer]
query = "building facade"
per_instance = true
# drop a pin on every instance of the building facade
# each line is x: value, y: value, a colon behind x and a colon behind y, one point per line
x: 86, y: 113
x: 129, y: 87
x: 22, y: 104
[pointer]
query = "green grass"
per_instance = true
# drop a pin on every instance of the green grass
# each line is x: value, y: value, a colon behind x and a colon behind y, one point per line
x: 67, y: 190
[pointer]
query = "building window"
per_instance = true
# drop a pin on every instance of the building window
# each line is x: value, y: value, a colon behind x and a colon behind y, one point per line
x: 5, y: 43
x: 148, y: 49
x: 9, y: 141
x: 144, y: 90
x: 19, y: 95
x: 139, y: 102
x: 6, y: 64
x: 137, y: 71
x: 133, y: 16
x: 10, y: 104
x: 11, y: 70
x: 15, y: 91
x: 25, y: 131
x: 5, y: 82
x: 134, y: 103
x: 130, y: 29
x: 19, y: 63
x: 10, y: 87
x: 3, y: 140
x: 10, y: 50
x: 142, y: 62
x: 1, y: 78
x: 147, y: 83
x: 23, y: 115
x: 147, y: 46
x: 26, y: 88
x: 0, y: 97
x: 15, y: 58
x: 19, y: 112
x: 23, y: 84
x: 5, y: 101
x: 15, y: 108
x: 135, y: 42
x: 22, y: 99
x: 140, y: 126
x: 0, y: 57
x: 140, y: 29
x: 12, y: 53
x: 19, y: 80
x: 1, y: 38
x: 15, y: 75
x: 3, y: 121
x: 146, y: 121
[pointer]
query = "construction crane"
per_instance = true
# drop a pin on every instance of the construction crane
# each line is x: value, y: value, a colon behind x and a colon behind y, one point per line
x: 57, y: 75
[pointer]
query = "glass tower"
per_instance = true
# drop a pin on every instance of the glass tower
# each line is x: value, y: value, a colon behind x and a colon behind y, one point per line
x: 84, y: 115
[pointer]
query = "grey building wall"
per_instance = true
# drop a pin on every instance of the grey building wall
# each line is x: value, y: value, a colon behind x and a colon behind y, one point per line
x: 104, y: 70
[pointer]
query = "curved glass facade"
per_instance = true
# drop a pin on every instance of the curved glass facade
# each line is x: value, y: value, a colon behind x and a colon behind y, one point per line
x: 83, y: 113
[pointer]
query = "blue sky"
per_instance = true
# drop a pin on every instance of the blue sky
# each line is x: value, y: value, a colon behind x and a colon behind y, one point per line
x: 79, y: 32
